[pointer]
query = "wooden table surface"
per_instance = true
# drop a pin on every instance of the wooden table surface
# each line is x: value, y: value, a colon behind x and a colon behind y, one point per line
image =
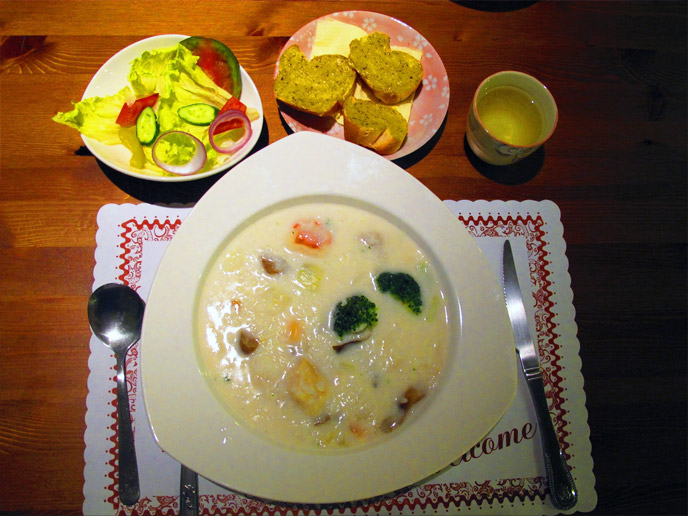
x: 616, y: 167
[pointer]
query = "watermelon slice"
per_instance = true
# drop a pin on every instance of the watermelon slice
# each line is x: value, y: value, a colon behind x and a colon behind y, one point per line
x: 218, y: 61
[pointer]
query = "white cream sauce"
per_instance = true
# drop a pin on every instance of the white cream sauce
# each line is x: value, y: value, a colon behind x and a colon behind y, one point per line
x: 294, y: 387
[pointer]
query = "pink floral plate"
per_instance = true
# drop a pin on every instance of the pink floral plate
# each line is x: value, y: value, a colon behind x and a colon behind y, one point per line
x: 431, y: 102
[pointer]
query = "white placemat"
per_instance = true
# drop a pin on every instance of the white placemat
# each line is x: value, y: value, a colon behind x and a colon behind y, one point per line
x: 502, y: 474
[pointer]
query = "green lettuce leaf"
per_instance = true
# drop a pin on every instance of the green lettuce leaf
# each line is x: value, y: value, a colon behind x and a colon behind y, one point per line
x: 96, y: 116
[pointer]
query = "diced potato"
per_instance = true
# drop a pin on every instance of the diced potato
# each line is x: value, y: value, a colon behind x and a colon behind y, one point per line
x: 307, y: 387
x: 294, y: 331
x: 277, y: 298
x: 309, y: 276
x: 371, y: 239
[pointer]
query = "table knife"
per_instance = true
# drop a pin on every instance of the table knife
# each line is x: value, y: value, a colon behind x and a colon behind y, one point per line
x: 561, y: 485
x: 188, y: 492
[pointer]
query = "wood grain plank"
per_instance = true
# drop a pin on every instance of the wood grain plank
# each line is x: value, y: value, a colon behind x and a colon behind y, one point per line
x: 60, y: 271
x: 35, y: 224
x: 33, y: 315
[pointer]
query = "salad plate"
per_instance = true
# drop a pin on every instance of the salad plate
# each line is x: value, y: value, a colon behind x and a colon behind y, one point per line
x: 190, y: 422
x: 432, y: 99
x: 112, y: 77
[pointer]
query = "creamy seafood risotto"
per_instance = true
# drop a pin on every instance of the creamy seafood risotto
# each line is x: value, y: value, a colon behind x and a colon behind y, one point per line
x: 322, y: 325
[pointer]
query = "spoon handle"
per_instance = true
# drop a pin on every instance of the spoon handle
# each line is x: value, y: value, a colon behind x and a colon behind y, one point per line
x: 128, y: 469
x: 188, y: 492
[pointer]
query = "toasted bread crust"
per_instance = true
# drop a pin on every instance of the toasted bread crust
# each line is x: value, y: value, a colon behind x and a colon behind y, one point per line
x: 392, y: 75
x: 375, y: 126
x: 318, y: 86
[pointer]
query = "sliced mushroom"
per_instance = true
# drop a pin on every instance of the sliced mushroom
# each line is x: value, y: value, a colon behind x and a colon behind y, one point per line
x: 247, y: 341
x: 321, y: 419
x: 273, y: 264
x: 405, y: 403
x: 352, y: 338
x: 391, y: 422
x: 411, y: 397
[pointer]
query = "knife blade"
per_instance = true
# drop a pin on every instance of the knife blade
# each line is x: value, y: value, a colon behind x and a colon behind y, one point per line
x: 562, y: 488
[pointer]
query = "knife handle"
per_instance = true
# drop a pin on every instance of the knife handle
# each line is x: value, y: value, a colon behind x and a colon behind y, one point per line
x: 562, y: 488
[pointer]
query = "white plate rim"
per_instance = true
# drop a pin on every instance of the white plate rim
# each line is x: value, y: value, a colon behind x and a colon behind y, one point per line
x: 189, y: 423
x: 109, y: 79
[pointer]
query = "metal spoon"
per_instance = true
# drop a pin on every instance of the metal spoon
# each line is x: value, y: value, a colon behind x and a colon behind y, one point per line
x: 115, y: 313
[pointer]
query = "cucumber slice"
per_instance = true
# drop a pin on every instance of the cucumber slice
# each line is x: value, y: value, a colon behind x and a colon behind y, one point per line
x: 147, y: 126
x: 198, y: 114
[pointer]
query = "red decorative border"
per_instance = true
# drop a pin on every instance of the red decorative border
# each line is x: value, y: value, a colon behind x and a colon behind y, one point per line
x: 420, y: 498
x: 134, y: 234
x: 531, y: 228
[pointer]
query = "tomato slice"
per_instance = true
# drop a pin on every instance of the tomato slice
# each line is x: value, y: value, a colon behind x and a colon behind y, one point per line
x: 206, y: 60
x: 213, y: 64
x: 232, y: 103
x: 130, y: 112
x: 217, y: 61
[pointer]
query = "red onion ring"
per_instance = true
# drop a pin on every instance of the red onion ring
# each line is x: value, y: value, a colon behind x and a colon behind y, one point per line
x: 231, y: 114
x: 190, y: 167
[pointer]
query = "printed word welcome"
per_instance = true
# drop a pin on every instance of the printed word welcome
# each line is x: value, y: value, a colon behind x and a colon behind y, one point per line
x: 503, y: 440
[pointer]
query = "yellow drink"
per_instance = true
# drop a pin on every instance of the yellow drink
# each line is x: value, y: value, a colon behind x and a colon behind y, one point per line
x: 511, y: 115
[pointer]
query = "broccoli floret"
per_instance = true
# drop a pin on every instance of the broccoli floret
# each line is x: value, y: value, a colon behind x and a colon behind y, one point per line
x: 402, y: 287
x: 353, y: 314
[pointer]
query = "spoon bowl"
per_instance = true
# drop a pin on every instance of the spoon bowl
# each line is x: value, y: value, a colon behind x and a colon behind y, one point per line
x: 115, y: 314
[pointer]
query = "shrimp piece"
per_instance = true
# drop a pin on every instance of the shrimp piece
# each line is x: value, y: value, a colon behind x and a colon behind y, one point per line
x: 311, y: 233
